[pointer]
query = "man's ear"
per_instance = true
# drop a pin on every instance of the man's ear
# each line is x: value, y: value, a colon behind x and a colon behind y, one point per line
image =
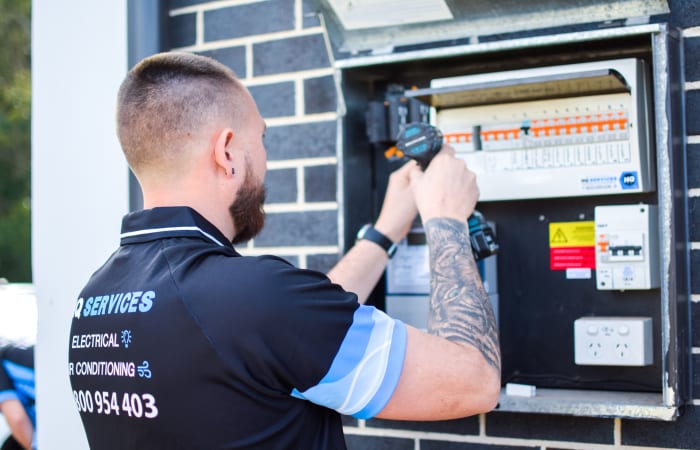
x: 222, y: 151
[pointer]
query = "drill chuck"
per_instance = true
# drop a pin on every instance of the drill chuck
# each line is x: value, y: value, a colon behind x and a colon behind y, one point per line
x: 421, y: 142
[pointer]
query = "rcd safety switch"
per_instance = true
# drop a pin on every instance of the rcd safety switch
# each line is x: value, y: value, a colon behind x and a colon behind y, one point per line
x: 627, y: 248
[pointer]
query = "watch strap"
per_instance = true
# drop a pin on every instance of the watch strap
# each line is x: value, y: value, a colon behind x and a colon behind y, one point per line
x: 368, y: 232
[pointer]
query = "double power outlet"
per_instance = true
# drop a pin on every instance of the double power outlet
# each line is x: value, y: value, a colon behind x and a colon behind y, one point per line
x: 613, y: 341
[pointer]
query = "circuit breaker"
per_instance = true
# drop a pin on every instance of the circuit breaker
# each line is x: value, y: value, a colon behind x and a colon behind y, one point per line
x: 571, y: 130
x: 627, y: 247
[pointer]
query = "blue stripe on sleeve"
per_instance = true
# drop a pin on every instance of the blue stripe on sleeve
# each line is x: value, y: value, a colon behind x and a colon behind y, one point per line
x: 366, y: 369
x: 8, y: 395
x: 354, y: 345
x: 391, y: 377
x: 22, y: 377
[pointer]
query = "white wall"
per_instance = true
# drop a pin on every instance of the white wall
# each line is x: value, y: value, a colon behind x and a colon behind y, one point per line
x: 79, y: 182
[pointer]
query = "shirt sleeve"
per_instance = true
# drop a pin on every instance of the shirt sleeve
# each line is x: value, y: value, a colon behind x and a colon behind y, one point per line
x: 366, y: 368
x: 16, y: 374
x: 293, y: 332
x: 7, y: 390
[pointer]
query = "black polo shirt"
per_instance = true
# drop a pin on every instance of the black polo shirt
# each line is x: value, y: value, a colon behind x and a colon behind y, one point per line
x: 17, y: 376
x: 178, y: 341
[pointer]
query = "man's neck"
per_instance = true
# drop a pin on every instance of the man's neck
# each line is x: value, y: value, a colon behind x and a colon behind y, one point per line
x: 217, y: 216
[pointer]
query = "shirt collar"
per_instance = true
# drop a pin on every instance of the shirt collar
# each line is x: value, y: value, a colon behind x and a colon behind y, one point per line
x: 167, y: 222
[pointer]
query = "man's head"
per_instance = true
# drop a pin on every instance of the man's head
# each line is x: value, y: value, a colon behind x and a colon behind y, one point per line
x: 167, y: 101
x: 192, y: 134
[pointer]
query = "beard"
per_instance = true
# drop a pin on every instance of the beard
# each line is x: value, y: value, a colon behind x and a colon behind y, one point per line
x: 247, y: 210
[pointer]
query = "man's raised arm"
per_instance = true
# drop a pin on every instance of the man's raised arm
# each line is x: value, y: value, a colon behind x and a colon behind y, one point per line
x: 360, y: 269
x: 454, y: 370
x: 460, y: 310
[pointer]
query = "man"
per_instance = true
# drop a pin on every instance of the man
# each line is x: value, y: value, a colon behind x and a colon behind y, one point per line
x: 180, y: 342
x: 17, y: 395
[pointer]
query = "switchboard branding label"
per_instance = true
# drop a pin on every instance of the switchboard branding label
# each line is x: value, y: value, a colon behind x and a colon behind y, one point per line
x: 572, y: 245
x: 597, y: 183
x: 629, y: 180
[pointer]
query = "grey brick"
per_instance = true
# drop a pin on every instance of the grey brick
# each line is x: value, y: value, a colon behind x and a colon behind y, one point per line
x: 289, y: 55
x: 173, y: 4
x: 248, y: 20
x: 469, y: 426
x: 695, y: 271
x: 694, y: 216
x: 320, y: 95
x: 321, y: 183
x: 692, y: 112
x: 691, y: 48
x: 441, y: 445
x: 348, y: 421
x: 685, y: 13
x: 274, y: 100
x: 322, y: 263
x: 301, y: 141
x: 233, y: 57
x: 693, y: 165
x: 696, y: 371
x: 182, y: 30
x: 557, y: 448
x: 695, y: 331
x: 559, y: 428
x: 299, y: 228
x: 377, y: 443
x: 310, y: 17
x: 281, y: 185
x: 683, y: 433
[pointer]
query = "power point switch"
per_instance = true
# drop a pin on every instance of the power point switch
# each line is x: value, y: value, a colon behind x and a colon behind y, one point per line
x: 613, y: 341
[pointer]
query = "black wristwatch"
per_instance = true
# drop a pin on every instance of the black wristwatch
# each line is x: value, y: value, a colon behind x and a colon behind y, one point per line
x: 369, y: 233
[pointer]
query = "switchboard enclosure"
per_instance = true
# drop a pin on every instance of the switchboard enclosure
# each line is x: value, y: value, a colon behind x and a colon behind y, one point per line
x: 574, y: 142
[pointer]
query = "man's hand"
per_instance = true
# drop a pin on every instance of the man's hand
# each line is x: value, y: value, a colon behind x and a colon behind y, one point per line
x: 446, y: 189
x: 399, y: 207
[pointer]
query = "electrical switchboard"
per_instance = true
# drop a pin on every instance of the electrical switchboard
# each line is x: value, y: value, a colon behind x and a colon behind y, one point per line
x: 572, y: 151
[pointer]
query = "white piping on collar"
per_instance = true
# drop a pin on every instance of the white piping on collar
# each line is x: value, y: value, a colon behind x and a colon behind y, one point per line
x: 161, y: 230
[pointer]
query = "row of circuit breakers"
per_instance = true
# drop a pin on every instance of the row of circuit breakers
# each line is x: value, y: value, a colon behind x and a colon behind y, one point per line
x: 553, y: 132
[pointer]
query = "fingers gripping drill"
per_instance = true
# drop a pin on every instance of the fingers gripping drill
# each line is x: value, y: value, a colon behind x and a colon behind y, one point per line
x: 421, y: 142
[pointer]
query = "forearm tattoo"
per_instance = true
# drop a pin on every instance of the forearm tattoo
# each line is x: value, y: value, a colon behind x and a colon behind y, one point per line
x: 460, y: 310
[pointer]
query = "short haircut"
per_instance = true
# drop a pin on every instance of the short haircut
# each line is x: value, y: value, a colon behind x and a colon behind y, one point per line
x: 165, y: 101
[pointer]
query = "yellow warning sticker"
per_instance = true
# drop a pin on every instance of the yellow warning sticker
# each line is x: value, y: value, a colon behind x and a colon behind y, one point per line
x: 572, y: 234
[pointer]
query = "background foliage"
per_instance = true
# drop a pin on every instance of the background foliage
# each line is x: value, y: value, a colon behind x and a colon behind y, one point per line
x: 15, y: 114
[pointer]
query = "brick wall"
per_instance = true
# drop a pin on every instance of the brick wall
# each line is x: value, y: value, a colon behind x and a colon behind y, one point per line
x: 277, y: 48
x: 686, y: 15
x: 280, y: 55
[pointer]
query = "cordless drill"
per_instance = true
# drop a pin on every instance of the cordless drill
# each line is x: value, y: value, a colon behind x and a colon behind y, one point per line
x: 421, y: 142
